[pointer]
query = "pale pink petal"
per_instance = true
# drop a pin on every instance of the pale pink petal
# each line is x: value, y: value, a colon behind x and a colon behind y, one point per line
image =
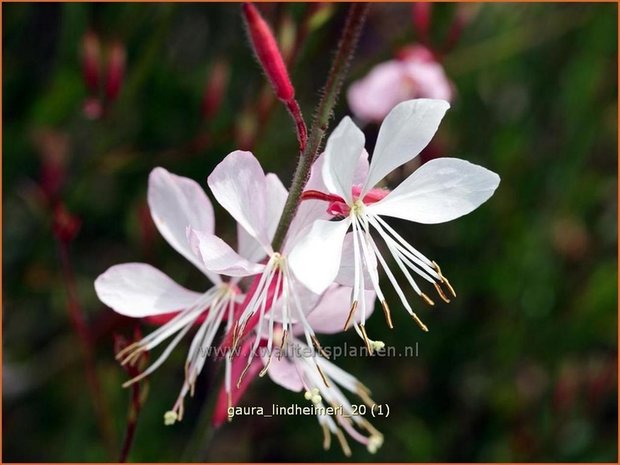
x: 342, y: 154
x: 441, y: 190
x: 219, y: 257
x: 139, y: 290
x: 406, y: 130
x: 315, y: 259
x: 331, y: 312
x: 428, y: 80
x: 238, y: 184
x: 372, y: 97
x: 284, y: 373
x: 175, y: 203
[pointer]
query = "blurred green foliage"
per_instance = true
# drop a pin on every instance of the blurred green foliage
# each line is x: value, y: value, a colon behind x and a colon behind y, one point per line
x: 521, y: 367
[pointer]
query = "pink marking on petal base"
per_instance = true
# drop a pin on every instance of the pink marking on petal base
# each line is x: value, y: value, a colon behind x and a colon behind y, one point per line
x: 338, y: 206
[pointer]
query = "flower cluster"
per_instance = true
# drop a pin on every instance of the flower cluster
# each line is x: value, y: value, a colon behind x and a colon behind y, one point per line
x: 271, y: 304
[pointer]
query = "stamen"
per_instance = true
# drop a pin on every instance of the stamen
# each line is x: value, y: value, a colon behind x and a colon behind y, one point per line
x: 170, y: 417
x: 284, y: 335
x: 264, y: 370
x: 365, y: 337
x: 318, y: 346
x: 419, y: 322
x: 388, y: 315
x: 444, y: 280
x: 343, y: 442
x: 321, y: 373
x: 350, y: 317
x: 427, y: 299
x: 327, y: 437
x: 441, y: 293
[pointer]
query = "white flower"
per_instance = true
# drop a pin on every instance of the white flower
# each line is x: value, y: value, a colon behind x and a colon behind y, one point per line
x: 439, y: 191
x: 139, y: 290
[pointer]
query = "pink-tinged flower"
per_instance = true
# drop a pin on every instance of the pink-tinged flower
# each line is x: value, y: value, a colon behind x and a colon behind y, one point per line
x: 255, y: 201
x: 441, y: 190
x: 139, y: 290
x: 415, y: 74
x: 301, y: 367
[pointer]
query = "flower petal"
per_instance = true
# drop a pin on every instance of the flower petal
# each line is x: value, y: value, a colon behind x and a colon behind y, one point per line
x: 441, y: 190
x: 219, y: 257
x: 238, y: 184
x: 139, y: 290
x: 175, y: 203
x: 330, y: 314
x: 276, y: 195
x: 406, y: 130
x: 342, y: 153
x: 346, y: 273
x: 315, y: 259
x: 283, y: 372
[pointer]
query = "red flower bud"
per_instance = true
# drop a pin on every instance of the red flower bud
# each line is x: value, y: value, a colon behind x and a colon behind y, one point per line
x: 215, y: 88
x: 91, y: 61
x: 267, y: 52
x: 115, y: 71
x: 421, y: 16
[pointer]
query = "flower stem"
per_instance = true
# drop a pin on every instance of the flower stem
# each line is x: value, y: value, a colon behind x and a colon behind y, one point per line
x: 337, y: 73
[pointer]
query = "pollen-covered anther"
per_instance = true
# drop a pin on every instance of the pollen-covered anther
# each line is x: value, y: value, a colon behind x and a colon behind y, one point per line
x: 351, y: 313
x: 377, y: 345
x: 374, y: 443
x: 443, y: 279
x: 419, y: 322
x: 387, y: 313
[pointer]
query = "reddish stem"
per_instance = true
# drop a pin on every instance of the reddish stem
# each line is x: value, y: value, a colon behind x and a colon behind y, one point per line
x: 81, y: 329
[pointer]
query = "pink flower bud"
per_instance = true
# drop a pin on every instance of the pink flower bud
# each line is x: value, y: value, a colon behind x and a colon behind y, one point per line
x: 267, y: 52
x: 91, y: 61
x: 115, y: 71
x: 215, y: 89
x: 421, y: 16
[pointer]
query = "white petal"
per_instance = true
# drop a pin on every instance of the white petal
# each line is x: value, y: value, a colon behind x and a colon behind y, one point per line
x: 219, y: 257
x: 332, y: 310
x: 238, y: 184
x: 284, y: 373
x: 315, y: 259
x: 406, y: 130
x: 346, y: 273
x: 175, y: 203
x: 276, y: 198
x: 441, y: 190
x: 138, y: 290
x: 342, y: 153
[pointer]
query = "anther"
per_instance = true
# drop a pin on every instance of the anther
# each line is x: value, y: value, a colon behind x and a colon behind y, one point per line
x: 350, y: 317
x: 419, y: 322
x: 366, y: 340
x: 388, y: 315
x: 318, y: 346
x: 284, y: 335
x: 441, y: 293
x: 427, y: 299
x: 322, y: 374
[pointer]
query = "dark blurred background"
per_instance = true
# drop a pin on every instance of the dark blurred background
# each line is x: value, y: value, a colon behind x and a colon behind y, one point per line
x: 522, y: 366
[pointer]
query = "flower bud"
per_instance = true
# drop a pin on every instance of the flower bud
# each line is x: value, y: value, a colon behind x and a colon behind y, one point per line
x: 421, y: 16
x: 91, y: 61
x: 267, y: 52
x: 115, y: 71
x: 215, y: 89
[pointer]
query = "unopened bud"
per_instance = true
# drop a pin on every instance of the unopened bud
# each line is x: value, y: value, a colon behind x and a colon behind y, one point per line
x: 215, y: 89
x: 245, y: 130
x: 115, y: 70
x: 91, y: 61
x: 287, y: 35
x: 421, y: 16
x: 319, y: 14
x: 267, y: 52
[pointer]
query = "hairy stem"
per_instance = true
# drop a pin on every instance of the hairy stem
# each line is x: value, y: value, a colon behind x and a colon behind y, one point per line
x: 337, y: 73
